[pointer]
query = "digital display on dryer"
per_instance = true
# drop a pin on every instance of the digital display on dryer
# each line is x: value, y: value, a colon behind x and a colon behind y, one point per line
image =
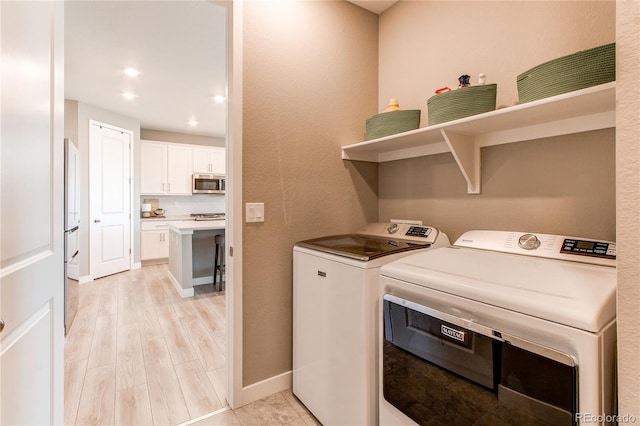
x: 589, y: 248
x: 589, y: 245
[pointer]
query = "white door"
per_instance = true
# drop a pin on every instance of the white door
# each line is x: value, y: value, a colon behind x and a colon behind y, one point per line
x: 31, y: 218
x: 110, y: 200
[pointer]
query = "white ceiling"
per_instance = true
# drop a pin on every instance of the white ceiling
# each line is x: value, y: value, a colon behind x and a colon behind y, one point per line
x: 179, y: 47
x: 375, y: 6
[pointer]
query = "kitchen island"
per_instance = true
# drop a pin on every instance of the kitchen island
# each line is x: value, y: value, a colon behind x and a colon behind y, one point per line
x: 181, y: 252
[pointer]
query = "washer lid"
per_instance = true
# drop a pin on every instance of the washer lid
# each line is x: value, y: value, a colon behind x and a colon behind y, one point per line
x: 360, y: 247
x: 570, y: 293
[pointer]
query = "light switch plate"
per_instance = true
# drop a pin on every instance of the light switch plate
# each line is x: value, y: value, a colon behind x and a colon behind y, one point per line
x: 254, y: 212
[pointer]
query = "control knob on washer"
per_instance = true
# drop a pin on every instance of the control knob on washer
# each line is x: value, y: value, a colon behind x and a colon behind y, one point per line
x: 392, y: 228
x: 529, y: 242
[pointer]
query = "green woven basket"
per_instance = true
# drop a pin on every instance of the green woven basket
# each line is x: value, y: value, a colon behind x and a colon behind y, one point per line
x: 390, y: 123
x: 461, y: 103
x: 568, y: 73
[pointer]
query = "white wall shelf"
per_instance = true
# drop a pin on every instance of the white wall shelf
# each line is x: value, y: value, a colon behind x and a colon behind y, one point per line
x: 574, y: 112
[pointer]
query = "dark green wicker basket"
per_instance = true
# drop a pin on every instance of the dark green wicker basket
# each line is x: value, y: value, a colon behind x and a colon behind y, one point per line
x: 392, y: 122
x: 568, y: 73
x: 461, y: 103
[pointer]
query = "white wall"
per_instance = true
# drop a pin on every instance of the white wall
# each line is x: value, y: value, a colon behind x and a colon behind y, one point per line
x: 164, y: 136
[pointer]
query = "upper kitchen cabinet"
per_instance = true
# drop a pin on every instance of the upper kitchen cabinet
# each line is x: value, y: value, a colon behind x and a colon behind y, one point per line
x: 209, y: 160
x: 165, y: 168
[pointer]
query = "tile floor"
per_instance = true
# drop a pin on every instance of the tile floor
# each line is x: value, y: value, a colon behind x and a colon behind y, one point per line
x: 280, y: 409
x: 138, y: 354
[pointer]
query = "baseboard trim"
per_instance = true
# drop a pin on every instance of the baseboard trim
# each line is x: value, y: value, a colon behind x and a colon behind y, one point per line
x: 203, y: 280
x: 267, y: 387
x: 149, y: 262
x: 136, y: 265
x: 181, y: 291
x: 85, y: 279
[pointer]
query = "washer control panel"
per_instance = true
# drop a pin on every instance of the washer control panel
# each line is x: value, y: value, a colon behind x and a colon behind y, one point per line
x: 418, y: 231
x: 412, y: 232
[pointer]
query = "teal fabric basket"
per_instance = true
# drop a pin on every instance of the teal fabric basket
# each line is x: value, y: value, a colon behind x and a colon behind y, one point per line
x: 460, y: 103
x: 392, y: 122
x: 572, y: 72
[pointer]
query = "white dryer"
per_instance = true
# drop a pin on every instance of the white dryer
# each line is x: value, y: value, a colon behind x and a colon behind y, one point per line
x: 335, y: 316
x: 500, y: 328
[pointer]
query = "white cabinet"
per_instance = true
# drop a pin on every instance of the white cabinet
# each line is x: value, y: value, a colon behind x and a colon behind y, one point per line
x: 179, y: 170
x: 583, y: 110
x: 209, y: 160
x: 154, y: 245
x: 153, y: 168
x: 165, y: 168
x: 154, y: 240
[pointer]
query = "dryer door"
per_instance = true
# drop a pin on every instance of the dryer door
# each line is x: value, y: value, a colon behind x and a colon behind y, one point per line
x: 436, y: 371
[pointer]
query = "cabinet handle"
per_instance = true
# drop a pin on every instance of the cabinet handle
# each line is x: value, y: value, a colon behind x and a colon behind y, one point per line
x: 169, y: 187
x: 1, y: 325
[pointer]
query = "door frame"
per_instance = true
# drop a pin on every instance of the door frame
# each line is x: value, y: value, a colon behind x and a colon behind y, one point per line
x: 233, y: 251
x: 131, y: 198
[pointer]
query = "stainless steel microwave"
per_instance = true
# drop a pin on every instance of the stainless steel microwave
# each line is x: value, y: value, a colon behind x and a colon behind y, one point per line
x: 208, y: 184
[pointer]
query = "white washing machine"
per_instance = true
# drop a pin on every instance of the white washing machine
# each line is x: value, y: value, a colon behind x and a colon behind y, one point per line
x: 335, y: 316
x: 501, y: 328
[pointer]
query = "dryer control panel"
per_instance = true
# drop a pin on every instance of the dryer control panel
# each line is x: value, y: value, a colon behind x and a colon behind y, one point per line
x: 589, y: 248
x: 542, y: 245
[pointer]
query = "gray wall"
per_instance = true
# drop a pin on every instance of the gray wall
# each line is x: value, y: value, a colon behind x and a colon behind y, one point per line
x: 309, y: 84
x: 562, y: 185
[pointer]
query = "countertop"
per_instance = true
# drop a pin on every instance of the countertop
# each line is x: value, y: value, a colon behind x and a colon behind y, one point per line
x: 164, y: 218
x: 188, y: 226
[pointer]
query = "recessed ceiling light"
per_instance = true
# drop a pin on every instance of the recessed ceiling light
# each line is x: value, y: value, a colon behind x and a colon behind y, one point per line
x: 193, y: 123
x: 131, y: 72
x: 128, y: 95
x: 218, y: 98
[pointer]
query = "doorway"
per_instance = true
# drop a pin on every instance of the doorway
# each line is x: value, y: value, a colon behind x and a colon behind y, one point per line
x: 179, y: 63
x: 110, y: 203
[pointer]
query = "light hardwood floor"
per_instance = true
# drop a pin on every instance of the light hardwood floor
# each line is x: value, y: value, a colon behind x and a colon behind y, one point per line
x: 138, y: 354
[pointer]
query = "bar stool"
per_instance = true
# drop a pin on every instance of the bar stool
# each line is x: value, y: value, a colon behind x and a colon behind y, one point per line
x: 218, y: 261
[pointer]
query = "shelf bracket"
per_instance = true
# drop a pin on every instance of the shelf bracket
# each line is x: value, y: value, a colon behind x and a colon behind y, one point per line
x: 466, y: 152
